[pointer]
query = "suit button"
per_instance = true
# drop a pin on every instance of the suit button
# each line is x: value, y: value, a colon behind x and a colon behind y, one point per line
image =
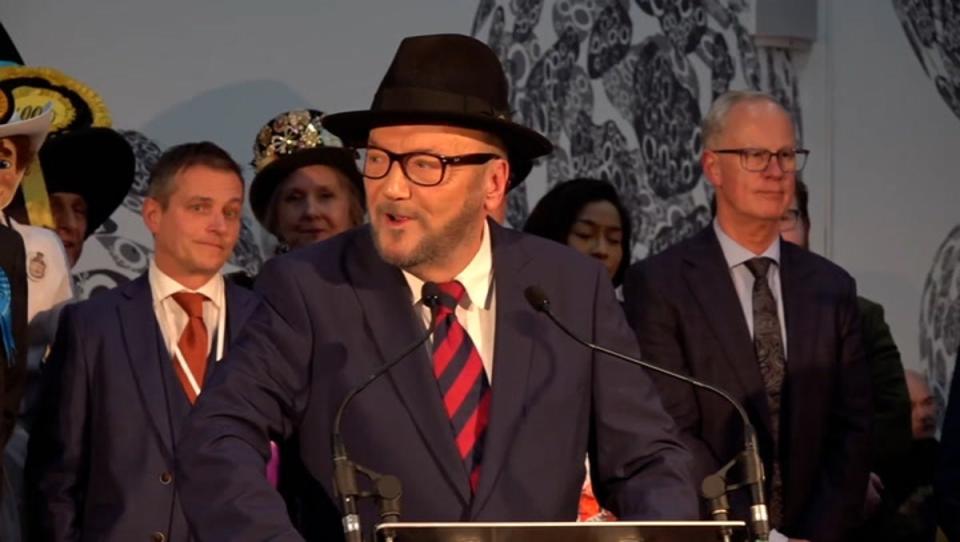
x: 158, y: 537
x: 165, y: 479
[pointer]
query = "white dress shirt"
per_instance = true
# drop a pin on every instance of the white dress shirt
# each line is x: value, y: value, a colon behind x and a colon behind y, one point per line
x: 736, y: 256
x: 476, y: 312
x: 171, y: 317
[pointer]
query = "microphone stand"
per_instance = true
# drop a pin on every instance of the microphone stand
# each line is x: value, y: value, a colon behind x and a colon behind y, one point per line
x: 714, y: 489
x: 750, y: 457
x: 387, y: 490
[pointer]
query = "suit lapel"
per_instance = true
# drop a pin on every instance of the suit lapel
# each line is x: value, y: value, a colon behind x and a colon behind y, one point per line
x: 240, y: 306
x: 799, y: 308
x: 512, y: 355
x: 394, y: 326
x: 708, y: 277
x: 800, y: 315
x: 140, y: 336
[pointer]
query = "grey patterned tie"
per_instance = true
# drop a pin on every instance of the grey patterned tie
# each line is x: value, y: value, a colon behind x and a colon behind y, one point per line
x: 768, y: 345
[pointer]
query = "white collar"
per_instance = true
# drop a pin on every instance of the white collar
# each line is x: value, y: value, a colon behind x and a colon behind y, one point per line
x: 736, y: 254
x: 476, y: 277
x: 163, y: 286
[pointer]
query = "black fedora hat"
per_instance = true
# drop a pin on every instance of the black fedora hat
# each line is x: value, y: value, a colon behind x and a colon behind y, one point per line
x: 66, y: 160
x: 447, y: 79
x: 268, y: 179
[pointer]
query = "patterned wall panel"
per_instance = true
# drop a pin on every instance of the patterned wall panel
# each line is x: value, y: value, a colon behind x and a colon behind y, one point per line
x: 932, y: 28
x: 620, y: 87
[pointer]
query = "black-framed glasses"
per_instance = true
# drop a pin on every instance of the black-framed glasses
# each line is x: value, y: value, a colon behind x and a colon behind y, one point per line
x: 423, y: 168
x: 757, y: 160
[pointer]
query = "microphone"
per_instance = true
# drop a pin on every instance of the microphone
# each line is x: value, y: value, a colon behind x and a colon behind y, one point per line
x: 344, y: 470
x: 753, y: 466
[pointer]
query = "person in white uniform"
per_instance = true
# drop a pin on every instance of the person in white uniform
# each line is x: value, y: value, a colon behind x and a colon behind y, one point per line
x: 49, y: 288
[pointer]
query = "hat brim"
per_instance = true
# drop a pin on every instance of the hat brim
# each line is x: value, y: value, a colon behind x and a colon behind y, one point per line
x: 114, y: 175
x: 522, y: 143
x: 273, y: 174
x: 34, y: 129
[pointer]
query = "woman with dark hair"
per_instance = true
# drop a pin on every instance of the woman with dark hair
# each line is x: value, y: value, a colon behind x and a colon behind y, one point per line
x: 586, y: 214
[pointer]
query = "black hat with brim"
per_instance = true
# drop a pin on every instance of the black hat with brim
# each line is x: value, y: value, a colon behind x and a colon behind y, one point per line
x: 95, y: 163
x: 445, y: 79
x: 272, y: 176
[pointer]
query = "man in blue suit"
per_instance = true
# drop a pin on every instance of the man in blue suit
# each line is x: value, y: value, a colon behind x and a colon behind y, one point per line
x: 492, y: 419
x: 774, y: 325
x: 128, y: 365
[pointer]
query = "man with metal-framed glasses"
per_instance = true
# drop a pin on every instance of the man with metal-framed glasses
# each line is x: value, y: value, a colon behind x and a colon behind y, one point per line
x: 771, y: 323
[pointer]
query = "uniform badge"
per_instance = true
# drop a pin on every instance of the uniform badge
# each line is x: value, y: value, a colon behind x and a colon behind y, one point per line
x: 37, y: 268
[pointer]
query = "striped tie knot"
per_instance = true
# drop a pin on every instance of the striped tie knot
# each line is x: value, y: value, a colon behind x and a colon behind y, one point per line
x: 191, y: 303
x: 450, y: 295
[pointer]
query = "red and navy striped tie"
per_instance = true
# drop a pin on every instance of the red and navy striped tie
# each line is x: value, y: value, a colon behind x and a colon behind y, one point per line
x: 462, y: 381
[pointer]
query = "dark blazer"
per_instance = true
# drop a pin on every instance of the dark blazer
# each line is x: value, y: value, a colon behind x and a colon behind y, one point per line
x: 334, y: 312
x: 102, y: 451
x: 947, y: 482
x: 684, y: 308
x: 12, y: 377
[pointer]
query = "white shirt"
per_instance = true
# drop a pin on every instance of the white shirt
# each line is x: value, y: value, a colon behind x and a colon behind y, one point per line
x: 49, y: 286
x: 171, y: 317
x: 736, y: 256
x: 476, y: 312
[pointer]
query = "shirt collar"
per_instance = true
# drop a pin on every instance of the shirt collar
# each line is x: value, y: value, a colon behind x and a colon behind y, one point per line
x: 476, y: 277
x: 735, y: 253
x: 164, y: 286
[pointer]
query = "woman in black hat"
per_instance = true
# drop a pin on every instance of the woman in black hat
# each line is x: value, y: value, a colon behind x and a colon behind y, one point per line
x: 308, y: 196
x: 307, y: 187
x: 587, y: 215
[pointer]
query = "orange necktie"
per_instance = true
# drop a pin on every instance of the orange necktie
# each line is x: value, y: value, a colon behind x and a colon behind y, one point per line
x: 193, y: 342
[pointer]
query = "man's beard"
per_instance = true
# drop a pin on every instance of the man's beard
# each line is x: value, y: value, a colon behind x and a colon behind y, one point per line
x: 433, y: 245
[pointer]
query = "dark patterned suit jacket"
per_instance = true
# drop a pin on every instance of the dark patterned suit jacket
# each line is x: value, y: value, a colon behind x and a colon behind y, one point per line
x: 684, y: 308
